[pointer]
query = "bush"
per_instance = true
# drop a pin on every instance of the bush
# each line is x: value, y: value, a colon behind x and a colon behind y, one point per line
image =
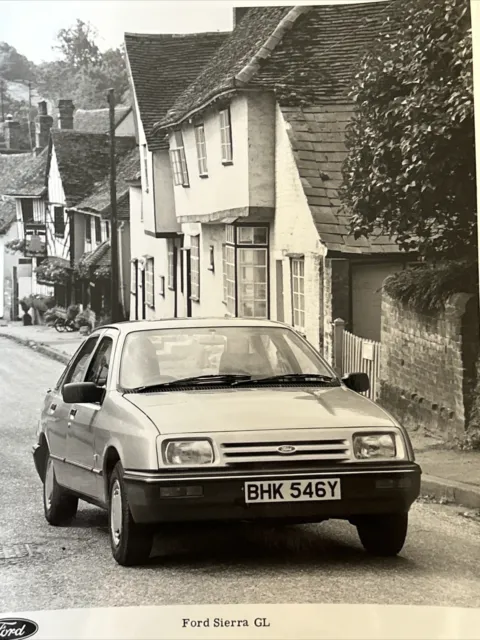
x: 427, y: 287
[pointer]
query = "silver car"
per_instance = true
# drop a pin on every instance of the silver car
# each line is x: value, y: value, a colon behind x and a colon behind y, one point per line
x: 188, y: 420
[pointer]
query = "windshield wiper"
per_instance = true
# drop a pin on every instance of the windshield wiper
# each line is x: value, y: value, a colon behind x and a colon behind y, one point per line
x: 304, y: 378
x: 194, y: 381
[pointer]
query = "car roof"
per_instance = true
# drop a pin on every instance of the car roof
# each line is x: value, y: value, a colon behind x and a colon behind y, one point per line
x: 185, y: 323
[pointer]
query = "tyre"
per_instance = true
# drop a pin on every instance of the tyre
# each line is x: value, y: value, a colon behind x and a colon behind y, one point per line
x: 131, y: 542
x: 59, y: 325
x: 60, y: 507
x: 383, y: 535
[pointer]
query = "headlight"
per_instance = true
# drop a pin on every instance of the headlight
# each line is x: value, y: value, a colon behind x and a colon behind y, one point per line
x: 188, y: 452
x: 379, y: 445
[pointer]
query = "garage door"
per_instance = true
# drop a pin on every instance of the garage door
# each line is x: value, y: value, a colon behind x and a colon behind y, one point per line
x: 367, y: 280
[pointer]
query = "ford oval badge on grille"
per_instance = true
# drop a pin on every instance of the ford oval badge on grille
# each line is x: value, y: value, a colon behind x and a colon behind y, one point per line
x: 286, y: 449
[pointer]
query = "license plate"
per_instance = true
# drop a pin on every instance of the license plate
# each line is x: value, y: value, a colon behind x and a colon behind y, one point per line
x: 292, y: 491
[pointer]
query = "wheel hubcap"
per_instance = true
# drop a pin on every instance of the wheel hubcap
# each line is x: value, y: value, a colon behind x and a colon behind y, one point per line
x: 48, y: 485
x: 116, y: 513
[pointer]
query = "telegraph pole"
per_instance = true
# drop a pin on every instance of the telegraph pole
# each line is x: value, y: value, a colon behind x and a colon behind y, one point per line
x: 116, y: 315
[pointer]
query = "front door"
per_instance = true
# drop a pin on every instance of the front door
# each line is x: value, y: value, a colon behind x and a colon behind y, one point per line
x: 56, y: 412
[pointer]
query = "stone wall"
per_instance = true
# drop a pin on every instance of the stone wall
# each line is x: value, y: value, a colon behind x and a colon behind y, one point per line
x: 428, y: 365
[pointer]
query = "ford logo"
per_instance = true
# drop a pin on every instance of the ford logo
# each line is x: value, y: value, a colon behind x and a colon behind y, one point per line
x: 13, y: 628
x: 286, y: 449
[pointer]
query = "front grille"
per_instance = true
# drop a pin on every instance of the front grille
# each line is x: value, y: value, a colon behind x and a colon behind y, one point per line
x: 251, y: 452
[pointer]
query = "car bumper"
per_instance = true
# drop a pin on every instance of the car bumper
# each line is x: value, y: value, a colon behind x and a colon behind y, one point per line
x: 221, y: 496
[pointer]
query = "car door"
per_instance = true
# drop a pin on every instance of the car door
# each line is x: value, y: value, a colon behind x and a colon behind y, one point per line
x: 81, y: 454
x: 55, y: 415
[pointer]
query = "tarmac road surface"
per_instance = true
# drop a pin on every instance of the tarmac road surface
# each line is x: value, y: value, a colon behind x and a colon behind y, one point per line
x: 43, y: 567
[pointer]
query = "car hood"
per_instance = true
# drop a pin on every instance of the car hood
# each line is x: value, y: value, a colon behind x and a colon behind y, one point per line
x: 202, y: 411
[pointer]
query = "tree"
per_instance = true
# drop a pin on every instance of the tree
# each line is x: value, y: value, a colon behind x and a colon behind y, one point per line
x: 410, y: 168
x: 14, y: 66
x: 77, y: 45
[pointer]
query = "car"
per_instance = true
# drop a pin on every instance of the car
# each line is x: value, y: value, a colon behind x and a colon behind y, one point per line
x: 182, y: 421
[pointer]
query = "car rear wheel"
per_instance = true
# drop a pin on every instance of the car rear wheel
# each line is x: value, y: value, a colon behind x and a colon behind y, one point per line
x: 131, y: 542
x: 383, y: 535
x: 59, y: 506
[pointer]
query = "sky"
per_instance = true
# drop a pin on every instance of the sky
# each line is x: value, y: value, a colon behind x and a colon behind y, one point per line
x: 31, y: 25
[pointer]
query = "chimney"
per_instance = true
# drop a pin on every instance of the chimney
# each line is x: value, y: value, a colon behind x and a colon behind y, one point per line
x: 43, y: 124
x: 238, y: 13
x: 65, y: 114
x: 12, y: 133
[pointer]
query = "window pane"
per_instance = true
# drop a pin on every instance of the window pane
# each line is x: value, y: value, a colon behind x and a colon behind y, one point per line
x: 260, y: 235
x: 245, y: 235
x: 260, y: 310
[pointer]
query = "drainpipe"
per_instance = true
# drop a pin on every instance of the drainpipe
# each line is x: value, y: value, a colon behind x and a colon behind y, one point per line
x: 121, y: 227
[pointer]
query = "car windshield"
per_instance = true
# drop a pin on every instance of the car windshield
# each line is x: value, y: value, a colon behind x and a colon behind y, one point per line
x: 159, y: 356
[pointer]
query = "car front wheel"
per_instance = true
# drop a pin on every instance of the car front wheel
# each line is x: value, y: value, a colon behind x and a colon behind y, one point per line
x: 383, y: 535
x: 59, y: 506
x: 131, y: 542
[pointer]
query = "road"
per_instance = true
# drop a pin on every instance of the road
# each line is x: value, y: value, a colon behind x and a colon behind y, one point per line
x: 45, y: 567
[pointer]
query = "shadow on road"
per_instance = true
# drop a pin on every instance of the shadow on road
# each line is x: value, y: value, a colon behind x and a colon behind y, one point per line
x: 213, y: 547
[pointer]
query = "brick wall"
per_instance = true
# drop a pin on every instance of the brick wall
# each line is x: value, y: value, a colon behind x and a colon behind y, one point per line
x: 427, y: 363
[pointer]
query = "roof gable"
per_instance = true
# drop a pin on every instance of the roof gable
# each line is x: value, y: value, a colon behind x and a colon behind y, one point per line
x: 84, y: 159
x: 161, y: 67
x: 12, y: 167
x: 98, y: 201
x: 236, y: 52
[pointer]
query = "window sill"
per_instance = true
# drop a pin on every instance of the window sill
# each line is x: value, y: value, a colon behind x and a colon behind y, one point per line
x: 170, y: 288
x: 203, y: 176
x: 186, y: 186
x: 194, y: 299
x: 227, y: 163
x: 211, y: 269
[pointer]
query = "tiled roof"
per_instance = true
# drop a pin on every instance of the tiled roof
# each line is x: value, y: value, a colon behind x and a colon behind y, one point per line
x: 305, y: 54
x: 98, y: 200
x: 317, y: 136
x: 237, y: 50
x: 84, y: 160
x: 31, y: 177
x: 99, y: 257
x: 98, y: 120
x: 11, y: 166
x: 162, y: 66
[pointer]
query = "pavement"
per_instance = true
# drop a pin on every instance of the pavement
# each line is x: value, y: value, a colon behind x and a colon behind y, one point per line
x: 449, y: 475
x: 49, y: 568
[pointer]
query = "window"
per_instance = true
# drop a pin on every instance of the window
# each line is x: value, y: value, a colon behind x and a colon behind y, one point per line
x: 98, y: 230
x: 27, y: 210
x: 99, y: 366
x: 201, y: 150
x: 107, y: 230
x: 298, y: 293
x: 59, y: 221
x: 226, y: 136
x: 79, y: 366
x: 179, y: 162
x: 171, y: 265
x: 245, y: 271
x: 149, y: 283
x: 195, y: 267
x: 145, y: 166
x: 211, y: 266
x: 88, y: 229
x: 162, y: 286
x: 134, y: 278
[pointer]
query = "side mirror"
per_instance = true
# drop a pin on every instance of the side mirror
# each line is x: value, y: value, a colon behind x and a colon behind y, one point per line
x: 82, y: 392
x: 358, y: 382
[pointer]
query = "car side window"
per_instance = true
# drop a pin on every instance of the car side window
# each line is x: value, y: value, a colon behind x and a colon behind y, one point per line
x: 77, y: 370
x: 99, y: 366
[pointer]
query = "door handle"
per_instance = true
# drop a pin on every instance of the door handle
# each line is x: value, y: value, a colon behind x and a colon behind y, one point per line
x: 73, y: 413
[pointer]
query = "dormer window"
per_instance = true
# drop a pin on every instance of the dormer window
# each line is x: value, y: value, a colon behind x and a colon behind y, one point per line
x: 201, y: 150
x: 179, y: 162
x: 226, y: 137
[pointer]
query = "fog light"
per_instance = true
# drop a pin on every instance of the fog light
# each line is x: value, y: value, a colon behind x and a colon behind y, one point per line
x: 181, y: 492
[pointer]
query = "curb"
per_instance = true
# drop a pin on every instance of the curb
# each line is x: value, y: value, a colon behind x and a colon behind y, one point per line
x: 465, y: 495
x: 39, y: 347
